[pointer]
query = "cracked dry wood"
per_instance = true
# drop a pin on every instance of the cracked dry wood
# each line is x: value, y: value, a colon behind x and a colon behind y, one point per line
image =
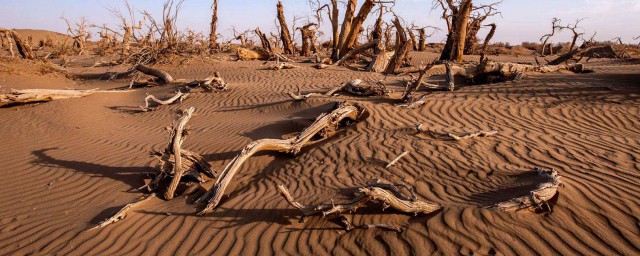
x: 19, y: 97
x: 122, y: 213
x: 536, y: 198
x: 325, y: 126
x: 356, y: 87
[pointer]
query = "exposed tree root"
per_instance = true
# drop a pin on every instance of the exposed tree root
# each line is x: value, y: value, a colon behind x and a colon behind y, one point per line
x: 179, y: 163
x: 348, y: 226
x: 457, y: 137
x: 385, y: 194
x: 355, y: 87
x: 325, y: 126
x: 26, y: 96
x: 122, y: 213
x: 536, y: 198
x: 180, y: 96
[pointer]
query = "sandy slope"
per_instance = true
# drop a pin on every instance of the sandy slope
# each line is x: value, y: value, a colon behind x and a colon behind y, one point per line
x: 68, y: 164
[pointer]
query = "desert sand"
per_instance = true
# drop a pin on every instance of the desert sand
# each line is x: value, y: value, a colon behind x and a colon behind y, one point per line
x: 69, y: 164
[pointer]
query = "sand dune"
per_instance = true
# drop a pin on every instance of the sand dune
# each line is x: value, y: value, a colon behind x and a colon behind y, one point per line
x: 68, y: 164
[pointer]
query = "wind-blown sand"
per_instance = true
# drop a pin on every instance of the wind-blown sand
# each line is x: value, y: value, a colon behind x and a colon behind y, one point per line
x: 68, y: 164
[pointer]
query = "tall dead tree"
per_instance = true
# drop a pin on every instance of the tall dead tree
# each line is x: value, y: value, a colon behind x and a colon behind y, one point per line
x: 574, y: 29
x: 308, y: 39
x: 457, y: 15
x: 213, y: 36
x: 478, y: 15
x: 24, y: 49
x: 285, y: 35
x: 402, y: 49
x: 356, y: 26
x: 266, y: 45
x: 487, y: 39
x: 78, y: 34
x: 555, y: 24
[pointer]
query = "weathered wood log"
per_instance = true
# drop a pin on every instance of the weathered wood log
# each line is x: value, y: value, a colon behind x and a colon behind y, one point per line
x: 209, y: 84
x: 457, y: 137
x: 375, y: 193
x: 180, y: 96
x: 247, y: 54
x: 451, y: 83
x: 579, y: 52
x: 536, y: 198
x: 325, y: 126
x: 179, y: 163
x: 23, y: 47
x: 160, y: 74
x: 122, y: 213
x: 356, y: 87
x: 355, y: 51
x: 407, y: 96
x: 26, y: 96
x: 478, y: 73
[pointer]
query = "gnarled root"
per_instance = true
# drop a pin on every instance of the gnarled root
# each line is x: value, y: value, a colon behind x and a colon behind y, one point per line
x: 457, y: 137
x: 122, y: 213
x: 356, y: 87
x: 386, y: 194
x: 325, y: 126
x: 180, y: 96
x: 179, y: 163
x: 536, y: 198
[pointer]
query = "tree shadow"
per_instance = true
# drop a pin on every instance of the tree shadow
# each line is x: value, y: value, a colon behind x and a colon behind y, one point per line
x: 510, y: 187
x: 132, y: 176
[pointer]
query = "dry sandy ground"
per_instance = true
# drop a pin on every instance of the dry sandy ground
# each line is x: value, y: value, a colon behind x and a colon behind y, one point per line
x: 68, y: 164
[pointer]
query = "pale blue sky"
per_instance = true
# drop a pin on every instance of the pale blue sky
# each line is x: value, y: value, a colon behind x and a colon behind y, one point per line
x: 522, y: 20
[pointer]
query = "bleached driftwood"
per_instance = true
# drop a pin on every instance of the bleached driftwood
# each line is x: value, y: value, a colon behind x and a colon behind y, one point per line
x: 537, y: 197
x: 177, y: 162
x: 180, y: 96
x: 325, y: 126
x: 457, y: 137
x: 385, y: 194
x: 26, y: 96
x: 122, y: 213
x: 394, y: 161
x: 356, y: 87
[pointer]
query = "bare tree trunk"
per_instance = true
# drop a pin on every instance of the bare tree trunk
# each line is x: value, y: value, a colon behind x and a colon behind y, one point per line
x: 285, y: 35
x: 460, y: 33
x: 487, y: 40
x: 335, y: 15
x: 23, y: 48
x: 213, y: 36
x: 402, y: 50
x: 412, y: 36
x: 266, y: 45
x: 423, y: 40
x: 356, y: 26
x: 346, y: 26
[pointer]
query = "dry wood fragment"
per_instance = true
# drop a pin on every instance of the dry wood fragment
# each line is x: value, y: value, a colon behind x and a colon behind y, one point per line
x: 211, y: 83
x: 283, y: 65
x: 372, y: 193
x: 177, y: 162
x: 26, y: 96
x: 325, y: 126
x: 247, y: 54
x: 457, y: 137
x: 355, y: 52
x: 536, y: 198
x: 348, y: 226
x: 122, y: 213
x: 356, y: 87
x: 394, y: 161
x: 180, y: 96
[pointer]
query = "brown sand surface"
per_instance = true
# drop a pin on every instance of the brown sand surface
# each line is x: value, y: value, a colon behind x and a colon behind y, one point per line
x: 68, y: 164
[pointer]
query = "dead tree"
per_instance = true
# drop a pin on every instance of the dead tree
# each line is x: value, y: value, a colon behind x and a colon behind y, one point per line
x: 555, y: 25
x: 325, y: 126
x: 487, y: 39
x: 478, y: 15
x: 403, y: 47
x: 169, y: 35
x: 457, y: 15
x: 7, y: 42
x: 266, y: 45
x: 78, y: 34
x: 355, y: 87
x: 422, y: 42
x: 213, y: 36
x: 24, y: 49
x: 128, y: 26
x: 285, y: 35
x: 333, y: 13
x: 381, y: 58
x: 355, y: 27
x: 574, y: 29
x: 308, y: 39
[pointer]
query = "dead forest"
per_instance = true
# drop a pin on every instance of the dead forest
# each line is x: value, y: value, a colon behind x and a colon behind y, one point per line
x: 367, y: 36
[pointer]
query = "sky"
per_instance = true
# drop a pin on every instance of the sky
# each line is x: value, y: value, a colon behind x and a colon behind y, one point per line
x: 520, y: 20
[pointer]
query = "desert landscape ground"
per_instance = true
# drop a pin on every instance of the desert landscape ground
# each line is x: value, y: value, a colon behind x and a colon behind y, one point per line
x: 175, y: 143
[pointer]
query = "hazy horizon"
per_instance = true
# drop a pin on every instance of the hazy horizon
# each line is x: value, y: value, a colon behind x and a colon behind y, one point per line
x: 520, y: 20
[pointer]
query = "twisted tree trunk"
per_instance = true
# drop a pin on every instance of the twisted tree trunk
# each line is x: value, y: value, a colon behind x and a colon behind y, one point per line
x: 285, y: 35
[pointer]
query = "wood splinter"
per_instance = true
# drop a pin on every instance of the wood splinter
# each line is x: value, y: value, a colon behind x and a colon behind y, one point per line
x: 536, y: 198
x: 122, y: 213
x: 392, y: 163
x: 179, y: 163
x: 325, y: 126
x: 457, y: 137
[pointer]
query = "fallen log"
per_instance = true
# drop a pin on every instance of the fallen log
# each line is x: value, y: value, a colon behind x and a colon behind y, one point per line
x: 407, y: 96
x: 247, y: 54
x: 355, y: 52
x: 177, y: 163
x: 122, y: 213
x: 325, y: 126
x: 210, y: 84
x: 355, y: 87
x: 489, y: 71
x: 23, y: 47
x: 594, y: 50
x: 537, y: 197
x: 384, y: 194
x: 180, y: 96
x: 26, y: 96
x: 457, y: 137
